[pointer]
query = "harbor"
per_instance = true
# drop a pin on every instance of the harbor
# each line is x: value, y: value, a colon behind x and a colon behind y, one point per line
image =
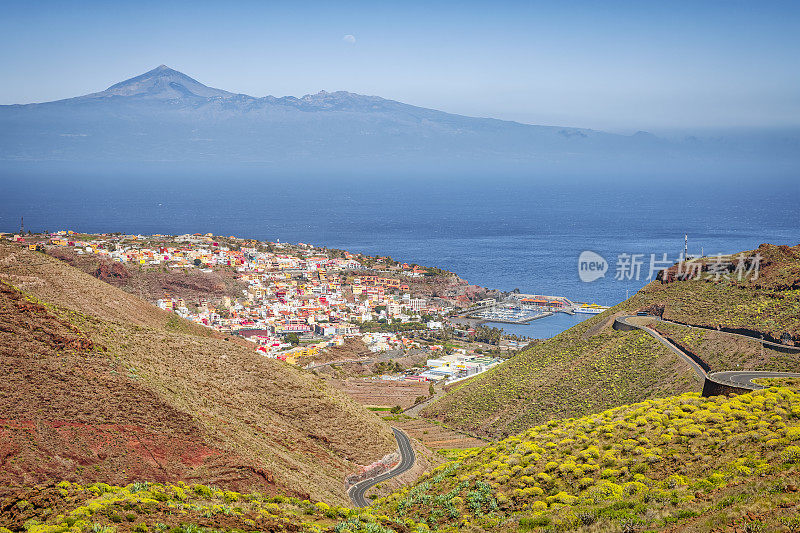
x: 522, y: 309
x: 509, y: 314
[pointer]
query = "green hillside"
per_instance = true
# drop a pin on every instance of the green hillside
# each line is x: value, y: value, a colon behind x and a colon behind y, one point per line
x: 683, y: 463
x: 723, y: 351
x: 143, y: 507
x: 576, y: 373
x: 766, y: 301
x: 591, y: 367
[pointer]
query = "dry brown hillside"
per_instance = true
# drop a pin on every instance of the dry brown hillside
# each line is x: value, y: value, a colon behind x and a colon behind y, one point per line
x: 68, y: 411
x: 107, y: 387
x: 152, y: 283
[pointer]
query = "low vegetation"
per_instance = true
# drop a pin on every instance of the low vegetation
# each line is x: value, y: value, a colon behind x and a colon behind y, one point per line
x: 765, y: 304
x: 144, y: 507
x: 591, y: 367
x: 573, y: 374
x: 685, y: 463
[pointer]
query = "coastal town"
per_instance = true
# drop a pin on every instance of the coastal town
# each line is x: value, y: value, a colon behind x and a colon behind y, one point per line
x: 298, y: 302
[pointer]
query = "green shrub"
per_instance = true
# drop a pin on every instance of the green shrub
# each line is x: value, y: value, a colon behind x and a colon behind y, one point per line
x: 529, y: 522
x: 138, y: 486
x: 792, y: 524
x: 754, y: 527
x: 202, y: 490
x: 791, y: 454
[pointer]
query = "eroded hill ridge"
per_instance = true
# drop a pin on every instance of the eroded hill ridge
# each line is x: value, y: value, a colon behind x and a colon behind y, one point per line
x: 98, y: 385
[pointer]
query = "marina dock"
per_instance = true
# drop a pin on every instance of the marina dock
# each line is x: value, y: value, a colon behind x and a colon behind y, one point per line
x: 506, y: 314
x: 519, y: 308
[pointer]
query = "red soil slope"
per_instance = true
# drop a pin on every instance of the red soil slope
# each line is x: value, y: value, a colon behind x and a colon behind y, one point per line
x: 67, y: 412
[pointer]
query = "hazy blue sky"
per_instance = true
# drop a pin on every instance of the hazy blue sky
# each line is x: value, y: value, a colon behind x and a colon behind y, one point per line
x: 602, y: 64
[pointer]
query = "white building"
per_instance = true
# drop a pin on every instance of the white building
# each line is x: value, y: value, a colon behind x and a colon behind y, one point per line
x: 417, y: 304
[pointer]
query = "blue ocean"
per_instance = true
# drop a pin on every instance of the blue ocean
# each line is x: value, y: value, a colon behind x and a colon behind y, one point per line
x: 500, y: 232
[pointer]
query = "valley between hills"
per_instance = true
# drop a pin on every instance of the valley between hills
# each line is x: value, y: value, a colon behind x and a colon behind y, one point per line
x: 117, y: 416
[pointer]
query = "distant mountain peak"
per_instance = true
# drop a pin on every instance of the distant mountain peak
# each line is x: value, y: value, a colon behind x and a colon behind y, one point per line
x: 161, y: 70
x: 162, y: 82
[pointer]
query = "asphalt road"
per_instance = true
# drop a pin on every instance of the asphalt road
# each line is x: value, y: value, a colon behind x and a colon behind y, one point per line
x: 758, y: 339
x: 407, y: 458
x: 701, y: 373
x: 743, y: 378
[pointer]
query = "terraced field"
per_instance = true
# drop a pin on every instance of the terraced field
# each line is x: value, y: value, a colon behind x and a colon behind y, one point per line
x: 434, y: 436
x: 381, y: 393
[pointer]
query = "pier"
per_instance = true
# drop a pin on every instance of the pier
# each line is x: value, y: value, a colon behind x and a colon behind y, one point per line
x: 517, y: 308
x: 509, y: 314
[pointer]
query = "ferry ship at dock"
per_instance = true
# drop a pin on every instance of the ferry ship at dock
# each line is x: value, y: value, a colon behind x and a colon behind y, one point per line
x: 590, y: 309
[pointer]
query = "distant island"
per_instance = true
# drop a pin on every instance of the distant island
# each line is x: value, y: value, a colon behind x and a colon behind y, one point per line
x: 166, y: 116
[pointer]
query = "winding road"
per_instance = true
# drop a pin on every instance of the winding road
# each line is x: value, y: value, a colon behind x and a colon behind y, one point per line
x: 743, y: 379
x: 775, y: 345
x: 407, y: 458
